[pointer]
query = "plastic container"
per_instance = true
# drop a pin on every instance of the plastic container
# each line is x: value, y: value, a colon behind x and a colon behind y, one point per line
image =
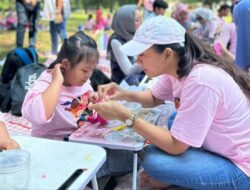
x: 14, y: 169
x: 134, y: 107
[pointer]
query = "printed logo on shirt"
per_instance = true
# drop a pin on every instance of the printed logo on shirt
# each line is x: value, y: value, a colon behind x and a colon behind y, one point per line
x: 79, y: 108
x: 177, y: 102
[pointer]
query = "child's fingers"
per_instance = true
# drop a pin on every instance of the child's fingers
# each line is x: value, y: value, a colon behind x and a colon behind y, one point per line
x: 91, y: 106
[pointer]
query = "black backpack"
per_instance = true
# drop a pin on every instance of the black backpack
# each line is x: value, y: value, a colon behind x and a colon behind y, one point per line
x: 98, y: 78
x: 22, y: 81
x: 15, y: 59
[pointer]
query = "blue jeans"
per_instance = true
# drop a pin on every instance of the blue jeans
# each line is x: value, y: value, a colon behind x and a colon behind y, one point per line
x: 25, y: 15
x: 55, y: 30
x: 195, y: 169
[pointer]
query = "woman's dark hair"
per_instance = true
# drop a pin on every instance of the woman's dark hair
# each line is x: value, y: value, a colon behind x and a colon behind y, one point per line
x: 196, y: 52
x: 77, y: 48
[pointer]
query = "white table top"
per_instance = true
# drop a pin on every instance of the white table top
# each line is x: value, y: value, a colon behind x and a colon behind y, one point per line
x: 53, y: 162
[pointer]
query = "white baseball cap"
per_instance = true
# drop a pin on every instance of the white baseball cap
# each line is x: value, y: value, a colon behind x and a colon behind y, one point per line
x: 158, y: 30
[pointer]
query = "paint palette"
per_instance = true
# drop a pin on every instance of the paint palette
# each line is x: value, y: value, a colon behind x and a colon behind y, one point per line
x: 124, y: 135
x: 114, y: 136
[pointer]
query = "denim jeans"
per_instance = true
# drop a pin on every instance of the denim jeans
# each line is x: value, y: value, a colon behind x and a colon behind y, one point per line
x: 55, y: 30
x: 195, y: 169
x: 24, y: 16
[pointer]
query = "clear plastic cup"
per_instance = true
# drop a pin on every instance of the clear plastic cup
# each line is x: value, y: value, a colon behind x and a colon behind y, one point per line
x: 14, y: 169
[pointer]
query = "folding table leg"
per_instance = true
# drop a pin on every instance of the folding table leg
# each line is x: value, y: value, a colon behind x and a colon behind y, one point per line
x: 94, y: 183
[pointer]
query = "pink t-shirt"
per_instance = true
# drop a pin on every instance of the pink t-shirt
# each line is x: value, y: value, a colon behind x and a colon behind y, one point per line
x: 1, y: 118
x: 64, y: 119
x: 214, y: 113
x: 229, y: 36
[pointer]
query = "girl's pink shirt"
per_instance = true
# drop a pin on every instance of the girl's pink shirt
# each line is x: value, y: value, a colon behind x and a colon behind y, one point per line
x: 62, y: 122
x: 214, y: 113
x: 1, y: 118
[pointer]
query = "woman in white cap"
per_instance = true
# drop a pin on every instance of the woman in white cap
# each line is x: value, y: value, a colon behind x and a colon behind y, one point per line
x: 208, y: 146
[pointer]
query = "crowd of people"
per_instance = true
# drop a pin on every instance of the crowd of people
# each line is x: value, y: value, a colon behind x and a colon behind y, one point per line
x: 199, y: 59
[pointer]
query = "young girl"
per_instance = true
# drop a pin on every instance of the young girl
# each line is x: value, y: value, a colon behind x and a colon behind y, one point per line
x: 57, y: 102
x: 6, y: 142
x: 214, y: 110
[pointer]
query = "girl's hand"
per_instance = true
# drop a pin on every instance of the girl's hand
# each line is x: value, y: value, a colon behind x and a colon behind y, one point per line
x: 94, y: 97
x: 110, y: 91
x: 57, y: 73
x: 9, y: 144
x: 111, y: 110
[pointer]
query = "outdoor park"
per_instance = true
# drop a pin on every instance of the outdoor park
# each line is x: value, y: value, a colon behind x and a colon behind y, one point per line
x: 79, y: 15
x: 125, y: 94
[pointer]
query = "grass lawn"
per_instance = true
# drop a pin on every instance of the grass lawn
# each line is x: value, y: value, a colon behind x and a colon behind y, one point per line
x: 8, y: 38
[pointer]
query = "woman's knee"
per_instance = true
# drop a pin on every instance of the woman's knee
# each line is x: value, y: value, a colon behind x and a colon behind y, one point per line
x: 157, y: 161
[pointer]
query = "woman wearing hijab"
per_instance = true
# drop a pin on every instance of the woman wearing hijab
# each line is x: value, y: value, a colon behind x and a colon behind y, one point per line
x: 124, y: 24
x: 208, y: 28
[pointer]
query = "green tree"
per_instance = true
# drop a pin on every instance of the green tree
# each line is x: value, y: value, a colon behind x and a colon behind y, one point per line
x: 6, y: 4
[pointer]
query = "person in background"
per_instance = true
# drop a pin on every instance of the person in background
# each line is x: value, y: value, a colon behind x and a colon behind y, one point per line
x: 125, y: 22
x: 181, y: 14
x: 6, y: 142
x: 208, y: 29
x: 90, y: 24
x: 109, y: 20
x: 226, y: 41
x: 208, y: 144
x: 57, y: 102
x: 101, y: 22
x: 11, y: 20
x: 241, y: 15
x: 159, y: 7
x: 28, y: 11
x: 57, y: 13
x: 223, y: 11
x: 147, y: 7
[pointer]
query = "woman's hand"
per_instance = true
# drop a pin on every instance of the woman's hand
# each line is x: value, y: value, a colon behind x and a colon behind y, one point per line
x: 110, y: 91
x: 111, y: 110
x: 227, y: 54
